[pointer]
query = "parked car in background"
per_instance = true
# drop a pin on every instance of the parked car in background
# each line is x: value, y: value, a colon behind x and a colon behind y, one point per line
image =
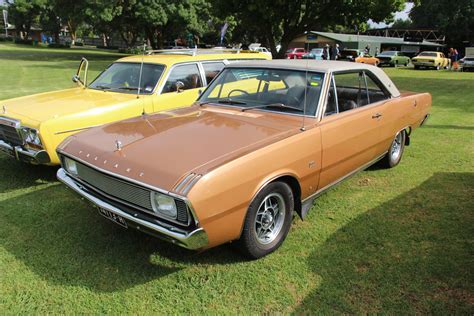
x: 262, y: 50
x: 436, y: 60
x: 295, y: 53
x: 393, y: 58
x: 365, y: 58
x: 315, y: 53
x: 31, y: 127
x: 349, y: 54
x: 467, y: 63
x: 261, y: 143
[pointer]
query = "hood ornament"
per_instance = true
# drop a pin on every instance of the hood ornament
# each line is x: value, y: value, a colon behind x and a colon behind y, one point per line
x: 4, y: 109
x: 118, y: 145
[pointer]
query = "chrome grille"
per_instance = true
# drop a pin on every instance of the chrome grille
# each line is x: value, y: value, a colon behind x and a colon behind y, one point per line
x: 126, y: 192
x: 9, y: 133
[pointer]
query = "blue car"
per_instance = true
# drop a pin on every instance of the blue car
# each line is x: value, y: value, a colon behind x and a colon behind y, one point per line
x: 315, y: 53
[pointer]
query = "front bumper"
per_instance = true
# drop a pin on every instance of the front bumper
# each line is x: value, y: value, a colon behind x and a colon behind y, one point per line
x: 30, y: 156
x: 193, y: 240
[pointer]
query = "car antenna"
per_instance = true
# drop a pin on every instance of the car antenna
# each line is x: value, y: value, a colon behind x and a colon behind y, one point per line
x: 305, y: 94
x: 140, y: 77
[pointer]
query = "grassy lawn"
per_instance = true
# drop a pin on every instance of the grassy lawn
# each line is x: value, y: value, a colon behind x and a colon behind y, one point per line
x: 390, y: 241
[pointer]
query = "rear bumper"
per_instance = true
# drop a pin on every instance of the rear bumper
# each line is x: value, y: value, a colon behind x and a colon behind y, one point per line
x: 36, y: 157
x: 193, y: 240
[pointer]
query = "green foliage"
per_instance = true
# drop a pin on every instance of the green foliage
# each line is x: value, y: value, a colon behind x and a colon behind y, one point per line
x: 280, y: 21
x: 402, y: 24
x: 454, y: 18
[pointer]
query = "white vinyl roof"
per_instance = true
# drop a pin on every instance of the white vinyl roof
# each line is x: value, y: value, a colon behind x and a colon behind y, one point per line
x: 324, y: 66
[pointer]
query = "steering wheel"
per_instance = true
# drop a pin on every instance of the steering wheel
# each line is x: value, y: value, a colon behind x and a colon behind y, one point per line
x: 237, y: 90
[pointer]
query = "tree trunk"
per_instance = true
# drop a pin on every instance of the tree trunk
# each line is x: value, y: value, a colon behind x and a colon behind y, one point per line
x: 72, y: 31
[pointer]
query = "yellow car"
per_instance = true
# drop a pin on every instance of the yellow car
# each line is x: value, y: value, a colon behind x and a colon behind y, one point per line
x: 434, y: 60
x: 31, y: 127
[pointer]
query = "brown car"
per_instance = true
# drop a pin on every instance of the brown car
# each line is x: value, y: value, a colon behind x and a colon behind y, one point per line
x: 262, y: 142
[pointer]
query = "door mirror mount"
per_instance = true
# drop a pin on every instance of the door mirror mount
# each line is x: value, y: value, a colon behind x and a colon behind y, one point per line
x: 83, y: 68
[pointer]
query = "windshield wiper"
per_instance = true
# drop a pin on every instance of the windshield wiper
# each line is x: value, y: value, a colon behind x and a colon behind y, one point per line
x: 102, y: 87
x: 273, y: 105
x: 230, y: 101
x: 128, y: 88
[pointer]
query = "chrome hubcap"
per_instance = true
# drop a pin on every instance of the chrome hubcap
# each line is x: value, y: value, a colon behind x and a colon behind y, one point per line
x: 396, y: 147
x: 270, y: 218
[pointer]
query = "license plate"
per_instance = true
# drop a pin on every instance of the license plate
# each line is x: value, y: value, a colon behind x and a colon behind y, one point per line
x: 113, y: 217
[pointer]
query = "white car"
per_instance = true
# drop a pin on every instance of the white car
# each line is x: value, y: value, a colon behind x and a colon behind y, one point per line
x: 262, y: 50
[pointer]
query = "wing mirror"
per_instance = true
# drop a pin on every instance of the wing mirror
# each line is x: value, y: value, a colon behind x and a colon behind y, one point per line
x: 179, y: 85
x: 81, y: 75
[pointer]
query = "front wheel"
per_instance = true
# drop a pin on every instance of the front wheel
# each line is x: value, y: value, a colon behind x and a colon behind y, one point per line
x: 395, y: 152
x: 268, y: 220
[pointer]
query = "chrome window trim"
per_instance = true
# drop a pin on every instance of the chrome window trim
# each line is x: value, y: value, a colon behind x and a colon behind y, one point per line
x: 166, y: 77
x: 174, y: 195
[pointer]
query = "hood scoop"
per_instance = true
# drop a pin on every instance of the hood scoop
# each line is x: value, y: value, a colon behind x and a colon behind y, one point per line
x: 186, y: 183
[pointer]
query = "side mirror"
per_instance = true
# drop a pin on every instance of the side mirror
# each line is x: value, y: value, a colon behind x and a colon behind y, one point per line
x: 83, y: 68
x: 179, y: 85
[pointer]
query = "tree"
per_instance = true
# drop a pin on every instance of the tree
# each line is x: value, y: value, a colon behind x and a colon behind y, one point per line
x: 402, y: 24
x: 280, y: 21
x: 454, y: 18
x: 23, y: 14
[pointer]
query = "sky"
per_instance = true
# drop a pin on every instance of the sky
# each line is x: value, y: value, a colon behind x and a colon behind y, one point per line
x: 399, y: 15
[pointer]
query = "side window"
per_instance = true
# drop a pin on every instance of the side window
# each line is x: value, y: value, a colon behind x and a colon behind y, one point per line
x: 375, y: 93
x: 188, y: 75
x: 211, y: 70
x: 331, y: 107
x: 351, y: 90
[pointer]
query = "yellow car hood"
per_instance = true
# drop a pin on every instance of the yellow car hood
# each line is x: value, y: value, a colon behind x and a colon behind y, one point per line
x: 44, y: 106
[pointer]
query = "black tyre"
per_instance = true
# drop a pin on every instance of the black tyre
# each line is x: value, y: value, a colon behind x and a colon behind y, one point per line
x: 417, y: 67
x: 395, y: 152
x: 268, y: 220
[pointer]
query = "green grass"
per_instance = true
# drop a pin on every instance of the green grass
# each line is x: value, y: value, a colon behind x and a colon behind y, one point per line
x: 385, y: 241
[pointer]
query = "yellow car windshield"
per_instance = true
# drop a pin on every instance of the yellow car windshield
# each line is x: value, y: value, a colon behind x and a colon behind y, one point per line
x: 125, y: 77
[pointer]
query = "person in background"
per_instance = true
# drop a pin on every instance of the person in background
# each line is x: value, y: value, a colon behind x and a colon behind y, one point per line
x: 453, y: 56
x: 326, y: 52
x: 336, y: 54
x: 367, y: 49
x: 377, y: 51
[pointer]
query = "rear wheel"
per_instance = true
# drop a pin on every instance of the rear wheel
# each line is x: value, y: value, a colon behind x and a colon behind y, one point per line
x: 268, y: 220
x: 395, y: 152
x: 438, y: 67
x: 417, y: 67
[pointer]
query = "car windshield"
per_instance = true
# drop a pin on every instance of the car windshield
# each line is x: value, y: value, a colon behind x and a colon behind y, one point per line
x: 387, y: 53
x: 125, y: 78
x: 266, y: 89
x: 469, y: 59
x: 427, y: 54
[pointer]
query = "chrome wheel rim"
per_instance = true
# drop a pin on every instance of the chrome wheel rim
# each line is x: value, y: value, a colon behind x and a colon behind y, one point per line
x: 270, y: 218
x: 396, y: 148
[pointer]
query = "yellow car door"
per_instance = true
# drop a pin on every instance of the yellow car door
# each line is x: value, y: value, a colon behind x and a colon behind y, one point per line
x: 180, y: 88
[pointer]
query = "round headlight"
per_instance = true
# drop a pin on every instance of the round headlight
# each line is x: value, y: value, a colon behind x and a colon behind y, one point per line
x: 70, y: 166
x: 164, y: 205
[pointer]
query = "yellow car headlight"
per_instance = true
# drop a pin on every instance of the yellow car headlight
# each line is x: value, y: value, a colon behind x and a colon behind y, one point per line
x: 31, y: 136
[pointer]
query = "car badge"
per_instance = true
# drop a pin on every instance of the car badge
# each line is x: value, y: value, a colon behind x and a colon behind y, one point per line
x: 4, y: 109
x: 118, y: 145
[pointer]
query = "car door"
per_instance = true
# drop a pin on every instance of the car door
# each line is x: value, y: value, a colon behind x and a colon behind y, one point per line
x: 350, y: 127
x: 180, y: 88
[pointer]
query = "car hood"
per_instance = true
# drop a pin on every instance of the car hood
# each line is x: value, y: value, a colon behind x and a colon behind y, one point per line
x: 162, y: 149
x: 44, y: 106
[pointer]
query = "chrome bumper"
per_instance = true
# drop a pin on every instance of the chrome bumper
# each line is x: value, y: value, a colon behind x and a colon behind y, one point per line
x: 30, y: 156
x: 195, y: 239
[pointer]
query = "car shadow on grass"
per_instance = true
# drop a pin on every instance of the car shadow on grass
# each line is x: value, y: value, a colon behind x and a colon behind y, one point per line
x: 65, y: 241
x: 412, y: 254
x: 18, y: 175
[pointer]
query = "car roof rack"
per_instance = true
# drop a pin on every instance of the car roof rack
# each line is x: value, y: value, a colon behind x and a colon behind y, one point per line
x: 195, y: 51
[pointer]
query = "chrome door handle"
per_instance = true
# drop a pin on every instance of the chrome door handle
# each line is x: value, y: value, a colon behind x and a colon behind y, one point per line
x: 376, y: 115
